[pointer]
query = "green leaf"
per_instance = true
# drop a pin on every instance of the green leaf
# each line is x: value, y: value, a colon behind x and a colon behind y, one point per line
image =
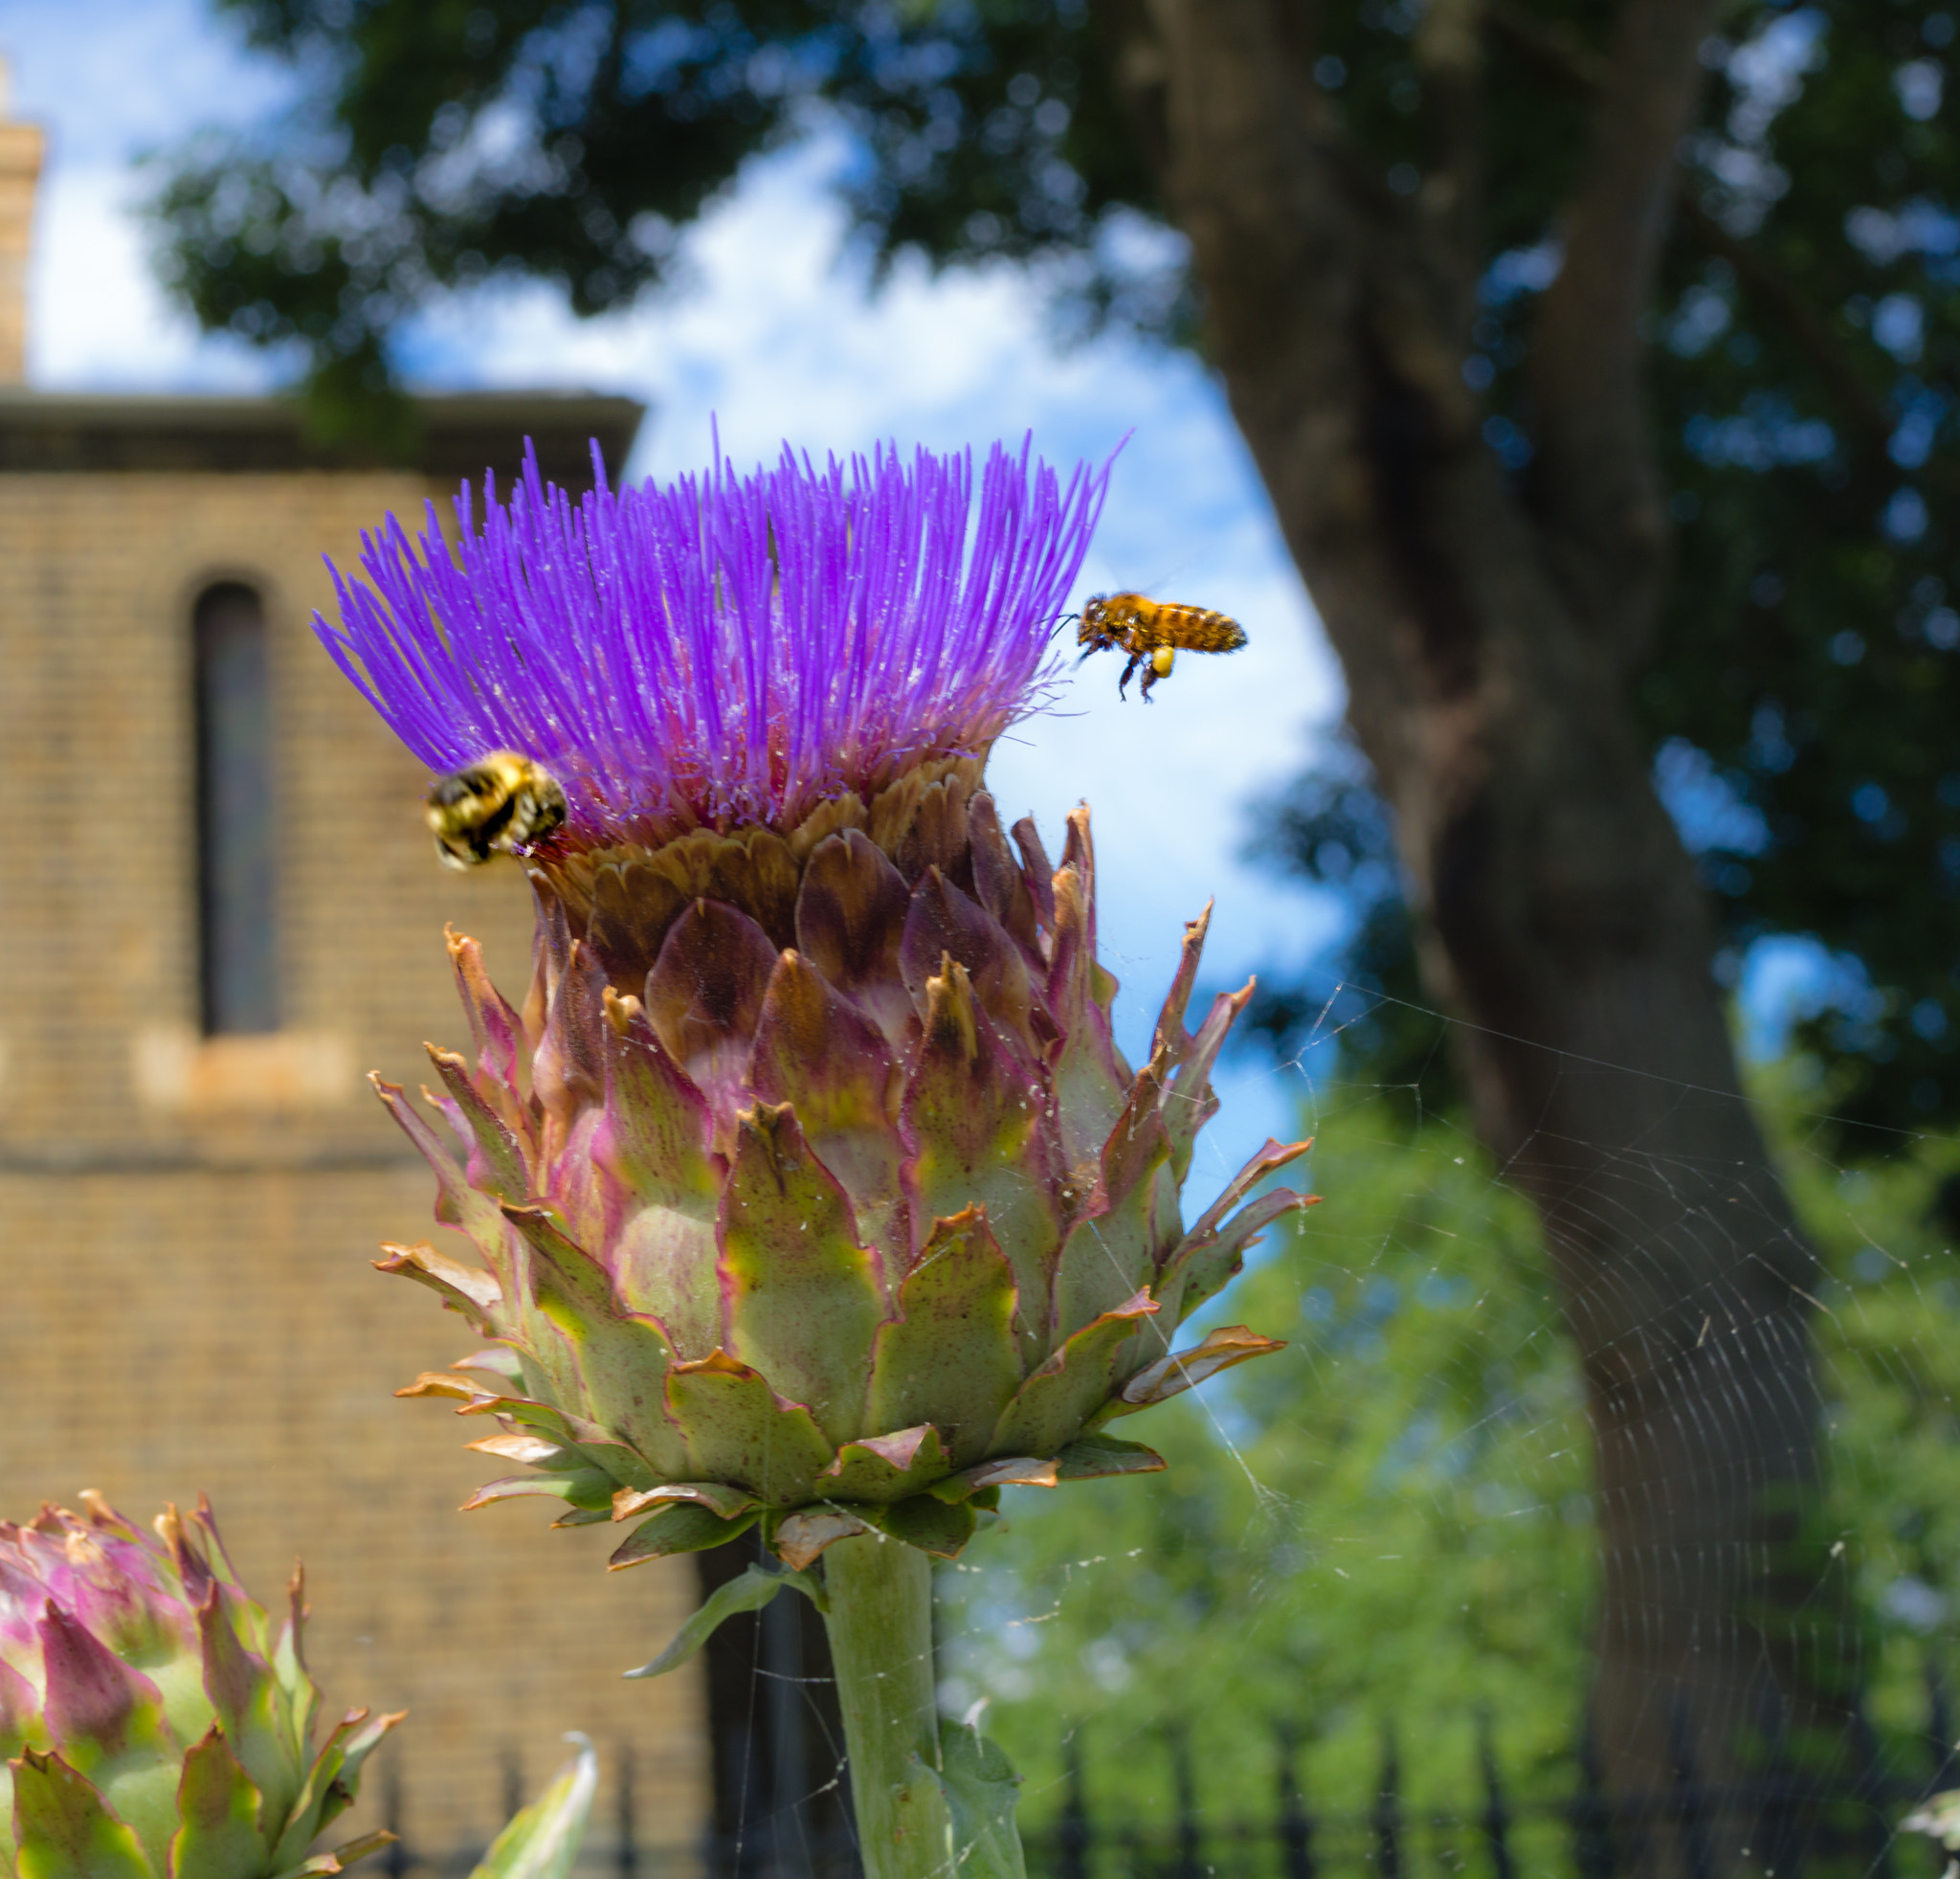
x: 219, y: 1837
x: 750, y: 1593
x: 618, y: 1354
x: 801, y: 1295
x: 949, y: 1359
x: 589, y: 1488
x: 1090, y: 1456
x: 330, y: 1787
x: 1051, y: 1407
x: 679, y: 1527
x: 928, y: 1524
x: 981, y: 1789
x: 888, y: 1467
x: 67, y: 1830
x: 542, y: 1841
x: 322, y: 1865
x: 738, y: 1430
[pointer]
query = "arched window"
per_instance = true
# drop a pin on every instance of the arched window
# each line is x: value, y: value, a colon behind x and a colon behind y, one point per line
x: 237, y: 944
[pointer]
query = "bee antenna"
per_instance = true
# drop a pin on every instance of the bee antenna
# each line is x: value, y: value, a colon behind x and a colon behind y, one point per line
x: 1061, y: 621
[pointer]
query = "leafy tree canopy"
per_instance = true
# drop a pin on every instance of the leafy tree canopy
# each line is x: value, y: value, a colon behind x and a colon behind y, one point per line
x: 1391, y: 1525
x: 1802, y: 698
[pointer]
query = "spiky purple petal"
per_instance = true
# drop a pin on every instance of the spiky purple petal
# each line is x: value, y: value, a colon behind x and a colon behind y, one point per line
x: 724, y: 649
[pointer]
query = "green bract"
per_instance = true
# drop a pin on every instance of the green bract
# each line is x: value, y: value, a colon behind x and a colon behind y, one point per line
x: 812, y: 1187
x: 153, y: 1724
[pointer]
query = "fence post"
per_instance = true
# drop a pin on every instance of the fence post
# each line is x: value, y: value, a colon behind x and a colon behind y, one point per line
x: 1388, y: 1810
x: 1497, y: 1815
x: 1592, y: 1818
x: 395, y: 1861
x: 511, y: 1765
x: 626, y: 1860
x: 1073, y: 1841
x: 1688, y: 1803
x: 1295, y: 1824
x: 1187, y: 1863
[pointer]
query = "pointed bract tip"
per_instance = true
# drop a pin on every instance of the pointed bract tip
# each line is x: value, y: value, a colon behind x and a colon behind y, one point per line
x: 623, y: 1010
x: 716, y: 1363
x: 103, y: 1518
x: 169, y: 1527
x: 951, y: 1019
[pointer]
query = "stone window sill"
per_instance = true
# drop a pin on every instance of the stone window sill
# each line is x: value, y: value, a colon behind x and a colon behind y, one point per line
x: 178, y: 1072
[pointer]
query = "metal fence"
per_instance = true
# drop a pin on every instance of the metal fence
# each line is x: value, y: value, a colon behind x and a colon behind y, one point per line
x: 1781, y: 1824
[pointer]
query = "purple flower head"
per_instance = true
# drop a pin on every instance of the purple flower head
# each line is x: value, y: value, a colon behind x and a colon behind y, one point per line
x: 136, y: 1594
x: 725, y: 649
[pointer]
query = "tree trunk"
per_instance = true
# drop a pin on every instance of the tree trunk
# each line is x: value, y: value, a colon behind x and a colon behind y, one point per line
x: 1488, y: 634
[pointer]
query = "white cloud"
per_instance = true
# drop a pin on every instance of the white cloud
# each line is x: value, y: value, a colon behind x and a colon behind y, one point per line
x: 97, y: 318
x: 112, y: 78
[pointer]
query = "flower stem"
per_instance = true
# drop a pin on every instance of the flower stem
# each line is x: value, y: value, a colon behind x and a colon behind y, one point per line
x: 881, y: 1630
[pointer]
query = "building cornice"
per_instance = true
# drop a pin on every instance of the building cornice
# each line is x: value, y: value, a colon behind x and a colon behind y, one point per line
x: 461, y: 435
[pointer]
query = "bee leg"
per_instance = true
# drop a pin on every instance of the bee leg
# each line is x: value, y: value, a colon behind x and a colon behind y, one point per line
x: 1123, y: 683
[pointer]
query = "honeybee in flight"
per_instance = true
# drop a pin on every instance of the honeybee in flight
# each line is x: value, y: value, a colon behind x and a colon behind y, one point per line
x: 503, y: 804
x: 1152, y: 633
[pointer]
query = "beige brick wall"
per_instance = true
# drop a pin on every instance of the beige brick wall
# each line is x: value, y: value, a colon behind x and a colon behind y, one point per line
x: 185, y: 1227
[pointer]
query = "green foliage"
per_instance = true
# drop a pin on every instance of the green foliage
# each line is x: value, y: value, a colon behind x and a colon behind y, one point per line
x: 1389, y: 1524
x: 756, y: 1587
x: 1808, y: 672
x: 441, y: 145
x: 1805, y: 393
x: 981, y: 1789
x: 1804, y: 385
x: 542, y: 1841
x: 1889, y: 1344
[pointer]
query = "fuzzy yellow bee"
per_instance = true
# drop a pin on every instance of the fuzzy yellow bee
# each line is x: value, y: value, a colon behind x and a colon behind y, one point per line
x: 1152, y: 633
x: 503, y: 804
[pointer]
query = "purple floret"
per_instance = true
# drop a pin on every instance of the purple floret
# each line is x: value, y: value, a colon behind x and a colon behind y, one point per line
x: 724, y: 649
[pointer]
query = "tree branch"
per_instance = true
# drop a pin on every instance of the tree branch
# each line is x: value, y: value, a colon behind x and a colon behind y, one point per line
x: 1552, y: 50
x: 1329, y: 313
x: 1599, y: 486
x: 1771, y: 289
x: 1561, y: 58
x: 1449, y: 49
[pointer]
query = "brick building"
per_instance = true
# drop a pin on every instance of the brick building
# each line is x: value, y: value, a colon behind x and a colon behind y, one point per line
x: 218, y: 909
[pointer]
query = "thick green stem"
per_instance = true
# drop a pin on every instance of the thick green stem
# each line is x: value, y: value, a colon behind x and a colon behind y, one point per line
x: 880, y: 1628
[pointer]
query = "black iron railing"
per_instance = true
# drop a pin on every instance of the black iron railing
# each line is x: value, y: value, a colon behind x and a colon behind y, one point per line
x: 1782, y: 1825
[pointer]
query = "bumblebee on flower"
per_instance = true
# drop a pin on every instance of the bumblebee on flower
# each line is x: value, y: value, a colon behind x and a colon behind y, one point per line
x: 809, y: 1186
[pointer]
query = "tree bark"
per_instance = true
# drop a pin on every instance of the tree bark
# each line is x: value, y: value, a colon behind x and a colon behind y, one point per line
x: 1488, y: 634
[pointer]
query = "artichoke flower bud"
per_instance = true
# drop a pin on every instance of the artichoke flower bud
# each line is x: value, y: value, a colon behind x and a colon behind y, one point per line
x: 153, y: 1725
x: 809, y: 1183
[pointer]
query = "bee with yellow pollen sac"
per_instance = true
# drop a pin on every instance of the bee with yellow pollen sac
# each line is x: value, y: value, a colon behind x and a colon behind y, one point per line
x: 1152, y: 633
x: 503, y: 804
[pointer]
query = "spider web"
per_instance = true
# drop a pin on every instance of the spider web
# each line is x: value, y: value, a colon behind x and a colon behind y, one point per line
x: 1380, y: 1546
x: 1382, y: 1543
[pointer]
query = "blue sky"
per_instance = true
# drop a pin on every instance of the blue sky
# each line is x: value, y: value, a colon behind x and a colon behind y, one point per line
x: 773, y: 334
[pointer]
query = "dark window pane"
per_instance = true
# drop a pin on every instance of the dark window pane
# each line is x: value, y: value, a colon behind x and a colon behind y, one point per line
x: 235, y: 813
